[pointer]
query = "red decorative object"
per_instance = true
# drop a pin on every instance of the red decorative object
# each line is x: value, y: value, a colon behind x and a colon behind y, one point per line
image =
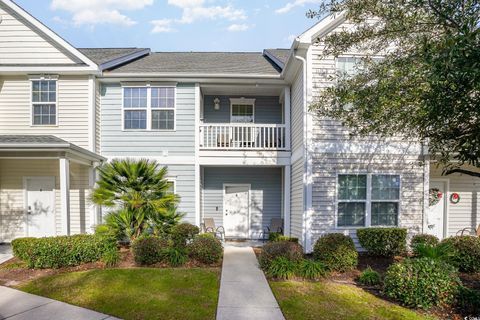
x: 454, y: 198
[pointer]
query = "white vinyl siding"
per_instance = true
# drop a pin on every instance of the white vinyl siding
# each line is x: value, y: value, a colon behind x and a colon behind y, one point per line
x: 22, y: 45
x: 12, y: 196
x: 72, y: 109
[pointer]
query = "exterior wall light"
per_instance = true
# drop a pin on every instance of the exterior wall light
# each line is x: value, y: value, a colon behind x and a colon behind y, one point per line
x: 216, y: 104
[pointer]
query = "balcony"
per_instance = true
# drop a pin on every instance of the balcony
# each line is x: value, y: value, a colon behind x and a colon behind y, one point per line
x: 243, y: 136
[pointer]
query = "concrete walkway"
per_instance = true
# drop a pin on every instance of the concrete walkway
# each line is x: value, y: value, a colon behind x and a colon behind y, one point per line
x: 18, y: 305
x: 5, y: 252
x: 244, y: 290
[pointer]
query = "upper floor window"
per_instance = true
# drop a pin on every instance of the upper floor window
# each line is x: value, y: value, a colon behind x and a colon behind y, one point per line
x: 149, y: 108
x: 242, y: 110
x: 368, y: 200
x: 44, y: 102
x: 349, y: 66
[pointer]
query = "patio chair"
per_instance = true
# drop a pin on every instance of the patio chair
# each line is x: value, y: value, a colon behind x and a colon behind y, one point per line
x: 276, y: 225
x: 469, y: 231
x: 210, y: 227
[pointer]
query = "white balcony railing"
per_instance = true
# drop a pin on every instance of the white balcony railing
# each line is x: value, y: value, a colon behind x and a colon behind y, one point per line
x: 242, y: 136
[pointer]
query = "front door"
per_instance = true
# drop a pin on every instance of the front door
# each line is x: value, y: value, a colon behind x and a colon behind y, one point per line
x: 236, y: 207
x: 40, y: 206
x: 436, y: 212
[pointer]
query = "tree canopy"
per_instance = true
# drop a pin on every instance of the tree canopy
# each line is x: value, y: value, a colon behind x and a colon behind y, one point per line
x: 426, y: 86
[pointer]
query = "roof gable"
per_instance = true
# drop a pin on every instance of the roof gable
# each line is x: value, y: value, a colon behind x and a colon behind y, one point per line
x: 21, y: 32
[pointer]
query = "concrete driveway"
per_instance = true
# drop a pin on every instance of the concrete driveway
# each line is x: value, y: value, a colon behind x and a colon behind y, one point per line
x: 5, y: 252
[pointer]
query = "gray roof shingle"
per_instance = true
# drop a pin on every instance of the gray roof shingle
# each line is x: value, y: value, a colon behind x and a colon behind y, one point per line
x: 103, y: 55
x: 201, y: 63
x: 280, y: 54
x: 31, y: 139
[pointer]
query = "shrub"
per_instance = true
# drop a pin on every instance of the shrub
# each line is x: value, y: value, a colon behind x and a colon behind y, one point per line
x: 465, y: 252
x: 438, y: 252
x: 22, y: 247
x: 423, y: 239
x: 289, y: 250
x: 175, y: 257
x: 369, y: 277
x: 336, y: 251
x: 309, y: 269
x: 383, y: 241
x: 205, y: 249
x: 282, y: 268
x: 111, y: 257
x: 422, y: 282
x: 148, y: 250
x: 469, y: 301
x: 275, y: 237
x: 183, y: 233
x: 63, y: 251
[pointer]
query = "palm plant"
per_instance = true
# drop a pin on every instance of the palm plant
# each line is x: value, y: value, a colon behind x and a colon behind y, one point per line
x: 138, y: 194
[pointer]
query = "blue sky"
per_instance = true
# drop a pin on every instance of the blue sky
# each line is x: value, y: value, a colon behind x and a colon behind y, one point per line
x: 176, y: 25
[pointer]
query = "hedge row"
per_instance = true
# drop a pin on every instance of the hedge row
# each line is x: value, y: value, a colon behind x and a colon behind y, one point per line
x: 62, y: 251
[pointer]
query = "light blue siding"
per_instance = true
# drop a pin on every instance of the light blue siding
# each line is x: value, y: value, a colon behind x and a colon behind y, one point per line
x: 265, y: 194
x: 184, y: 176
x: 115, y: 142
x: 267, y: 109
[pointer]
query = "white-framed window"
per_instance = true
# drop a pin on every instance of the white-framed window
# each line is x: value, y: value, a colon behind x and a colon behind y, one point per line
x: 242, y: 110
x: 349, y: 66
x: 365, y: 200
x: 44, y: 102
x: 149, y: 108
x: 172, y: 185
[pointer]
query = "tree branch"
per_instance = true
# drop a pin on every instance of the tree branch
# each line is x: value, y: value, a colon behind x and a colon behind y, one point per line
x: 467, y: 172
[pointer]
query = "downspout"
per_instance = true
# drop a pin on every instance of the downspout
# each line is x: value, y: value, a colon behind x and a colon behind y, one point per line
x: 306, y: 167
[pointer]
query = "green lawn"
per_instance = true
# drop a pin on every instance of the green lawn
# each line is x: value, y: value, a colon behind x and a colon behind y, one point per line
x: 328, y: 300
x: 140, y: 293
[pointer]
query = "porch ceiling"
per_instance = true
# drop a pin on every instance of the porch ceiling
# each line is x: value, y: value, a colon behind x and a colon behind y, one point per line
x: 239, y: 90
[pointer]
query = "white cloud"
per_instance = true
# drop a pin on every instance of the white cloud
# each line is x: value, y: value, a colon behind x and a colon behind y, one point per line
x: 196, y: 10
x: 296, y: 3
x: 238, y: 27
x: 162, y: 26
x: 92, y: 12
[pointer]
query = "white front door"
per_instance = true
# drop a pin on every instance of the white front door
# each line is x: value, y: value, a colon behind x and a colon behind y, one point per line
x: 40, y: 206
x: 436, y: 212
x: 236, y: 207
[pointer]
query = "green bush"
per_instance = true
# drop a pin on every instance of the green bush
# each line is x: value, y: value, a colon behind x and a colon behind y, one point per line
x: 369, y: 277
x: 22, y: 247
x: 63, y: 251
x: 385, y: 242
x: 282, y: 268
x: 422, y: 282
x: 111, y: 257
x: 175, y: 257
x: 443, y: 252
x: 465, y: 252
x: 336, y: 251
x: 423, y: 239
x: 468, y: 300
x: 271, y: 250
x: 309, y: 269
x: 276, y: 236
x: 183, y: 233
x: 205, y: 249
x: 148, y: 250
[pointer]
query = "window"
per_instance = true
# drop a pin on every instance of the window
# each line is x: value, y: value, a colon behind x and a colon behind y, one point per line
x: 349, y: 66
x: 242, y: 110
x: 44, y: 102
x: 352, y: 200
x: 368, y: 200
x: 171, y: 186
x: 385, y: 200
x: 149, y: 108
x: 163, y: 108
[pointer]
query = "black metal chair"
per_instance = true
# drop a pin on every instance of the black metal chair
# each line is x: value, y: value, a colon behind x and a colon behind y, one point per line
x: 276, y: 225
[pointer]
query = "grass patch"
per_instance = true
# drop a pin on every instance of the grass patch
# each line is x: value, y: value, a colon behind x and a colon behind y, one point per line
x: 328, y: 300
x: 139, y: 293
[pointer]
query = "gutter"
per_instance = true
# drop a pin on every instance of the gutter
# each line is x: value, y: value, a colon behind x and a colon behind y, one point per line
x: 189, y: 75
